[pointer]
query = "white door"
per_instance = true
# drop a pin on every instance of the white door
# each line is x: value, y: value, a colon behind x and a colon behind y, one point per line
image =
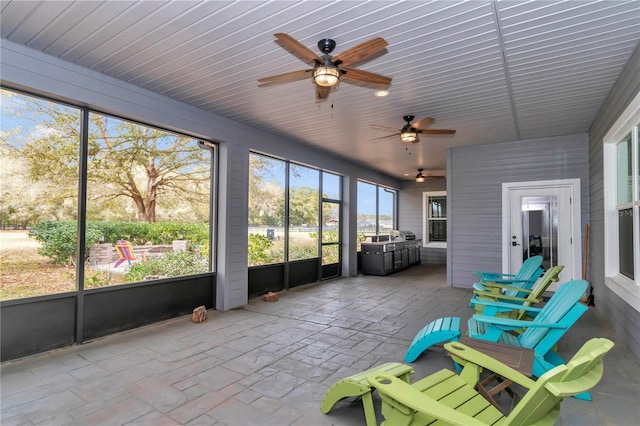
x: 542, y: 218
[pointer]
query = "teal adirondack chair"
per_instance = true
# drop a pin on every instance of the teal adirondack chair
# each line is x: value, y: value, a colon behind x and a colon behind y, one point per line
x: 542, y: 333
x: 487, y: 303
x: 534, y: 295
x: 452, y: 399
x: 497, y: 282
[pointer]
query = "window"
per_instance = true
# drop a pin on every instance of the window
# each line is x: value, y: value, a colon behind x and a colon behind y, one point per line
x: 266, y: 210
x: 147, y: 212
x: 39, y: 209
x: 303, y: 212
x: 376, y: 211
x: 285, y: 205
x: 434, y: 207
x: 148, y: 195
x: 622, y: 205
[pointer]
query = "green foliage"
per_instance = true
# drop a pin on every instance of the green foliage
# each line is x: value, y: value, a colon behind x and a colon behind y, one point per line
x: 303, y: 206
x: 140, y: 233
x: 330, y: 254
x: 59, y: 240
x: 259, y: 247
x: 99, y: 279
x: 299, y: 251
x: 171, y: 264
x: 327, y: 236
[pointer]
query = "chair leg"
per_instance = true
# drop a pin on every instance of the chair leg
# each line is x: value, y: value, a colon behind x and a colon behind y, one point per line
x: 369, y: 410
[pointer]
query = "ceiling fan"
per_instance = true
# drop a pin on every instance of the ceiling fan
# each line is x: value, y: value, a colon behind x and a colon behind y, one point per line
x: 409, y: 132
x: 421, y: 177
x: 328, y: 70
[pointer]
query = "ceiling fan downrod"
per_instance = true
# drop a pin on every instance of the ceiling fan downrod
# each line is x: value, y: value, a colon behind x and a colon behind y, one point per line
x: 326, y: 45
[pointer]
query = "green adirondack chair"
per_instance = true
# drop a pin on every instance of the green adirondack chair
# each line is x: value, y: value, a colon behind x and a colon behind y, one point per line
x: 447, y: 398
x: 525, y: 278
x: 479, y: 300
x: 357, y: 386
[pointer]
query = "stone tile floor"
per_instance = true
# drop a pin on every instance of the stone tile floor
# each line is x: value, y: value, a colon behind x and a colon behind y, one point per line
x: 270, y: 363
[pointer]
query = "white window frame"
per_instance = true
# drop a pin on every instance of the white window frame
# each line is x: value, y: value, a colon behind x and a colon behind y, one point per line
x: 625, y: 288
x: 425, y: 219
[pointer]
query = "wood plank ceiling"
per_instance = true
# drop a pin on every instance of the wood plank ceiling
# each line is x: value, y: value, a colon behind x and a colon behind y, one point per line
x: 493, y: 70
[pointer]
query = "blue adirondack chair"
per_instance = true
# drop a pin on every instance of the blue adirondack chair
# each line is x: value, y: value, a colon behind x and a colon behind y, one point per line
x: 534, y: 296
x: 496, y: 282
x: 542, y: 333
x: 447, y: 329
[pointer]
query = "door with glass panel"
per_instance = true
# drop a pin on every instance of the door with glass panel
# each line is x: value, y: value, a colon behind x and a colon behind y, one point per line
x: 541, y: 221
x: 331, y: 235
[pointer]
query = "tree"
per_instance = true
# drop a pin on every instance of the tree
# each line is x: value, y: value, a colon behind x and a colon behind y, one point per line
x: 145, y: 165
x: 303, y: 206
x: 266, y: 191
x: 126, y: 161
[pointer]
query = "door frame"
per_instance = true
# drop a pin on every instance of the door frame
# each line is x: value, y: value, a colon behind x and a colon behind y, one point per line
x: 576, y: 223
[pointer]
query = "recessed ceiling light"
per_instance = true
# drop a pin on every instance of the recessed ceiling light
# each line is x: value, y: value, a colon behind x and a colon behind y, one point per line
x: 381, y: 93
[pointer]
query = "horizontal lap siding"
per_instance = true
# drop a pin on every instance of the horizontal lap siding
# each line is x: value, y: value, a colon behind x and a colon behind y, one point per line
x: 623, y: 318
x: 475, y: 198
x: 410, y: 216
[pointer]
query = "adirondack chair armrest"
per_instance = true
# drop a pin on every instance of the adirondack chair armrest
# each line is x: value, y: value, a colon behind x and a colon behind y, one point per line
x: 516, y: 288
x: 460, y: 351
x: 515, y: 324
x: 504, y: 297
x: 493, y: 274
x: 505, y: 305
x: 412, y: 398
x: 500, y: 282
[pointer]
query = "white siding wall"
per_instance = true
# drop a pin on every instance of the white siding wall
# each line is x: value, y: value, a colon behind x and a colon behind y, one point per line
x: 475, y: 182
x: 24, y: 68
x: 623, y: 318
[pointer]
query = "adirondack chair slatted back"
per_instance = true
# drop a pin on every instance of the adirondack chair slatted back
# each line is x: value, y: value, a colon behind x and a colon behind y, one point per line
x: 527, y: 267
x: 531, y: 269
x: 541, y: 285
x: 578, y: 375
x: 125, y: 250
x: 563, y: 307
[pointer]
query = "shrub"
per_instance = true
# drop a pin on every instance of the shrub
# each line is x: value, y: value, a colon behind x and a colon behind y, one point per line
x: 59, y: 240
x: 171, y: 264
x: 259, y: 247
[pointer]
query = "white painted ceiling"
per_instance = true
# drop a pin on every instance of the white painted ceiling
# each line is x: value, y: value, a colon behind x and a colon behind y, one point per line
x: 493, y: 70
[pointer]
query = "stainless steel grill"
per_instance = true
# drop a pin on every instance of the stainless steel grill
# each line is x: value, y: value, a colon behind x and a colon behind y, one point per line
x: 397, y: 235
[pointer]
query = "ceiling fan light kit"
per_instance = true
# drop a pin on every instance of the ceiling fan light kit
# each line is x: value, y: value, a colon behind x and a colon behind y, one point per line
x: 326, y: 76
x: 420, y: 178
x: 409, y: 137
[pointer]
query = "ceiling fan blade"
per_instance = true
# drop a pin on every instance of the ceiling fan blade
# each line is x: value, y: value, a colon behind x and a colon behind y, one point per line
x: 386, y: 137
x: 322, y: 92
x: 286, y: 77
x: 297, y: 48
x: 422, y: 123
x: 365, y: 76
x: 434, y: 177
x: 361, y: 52
x: 384, y: 128
x: 436, y: 132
